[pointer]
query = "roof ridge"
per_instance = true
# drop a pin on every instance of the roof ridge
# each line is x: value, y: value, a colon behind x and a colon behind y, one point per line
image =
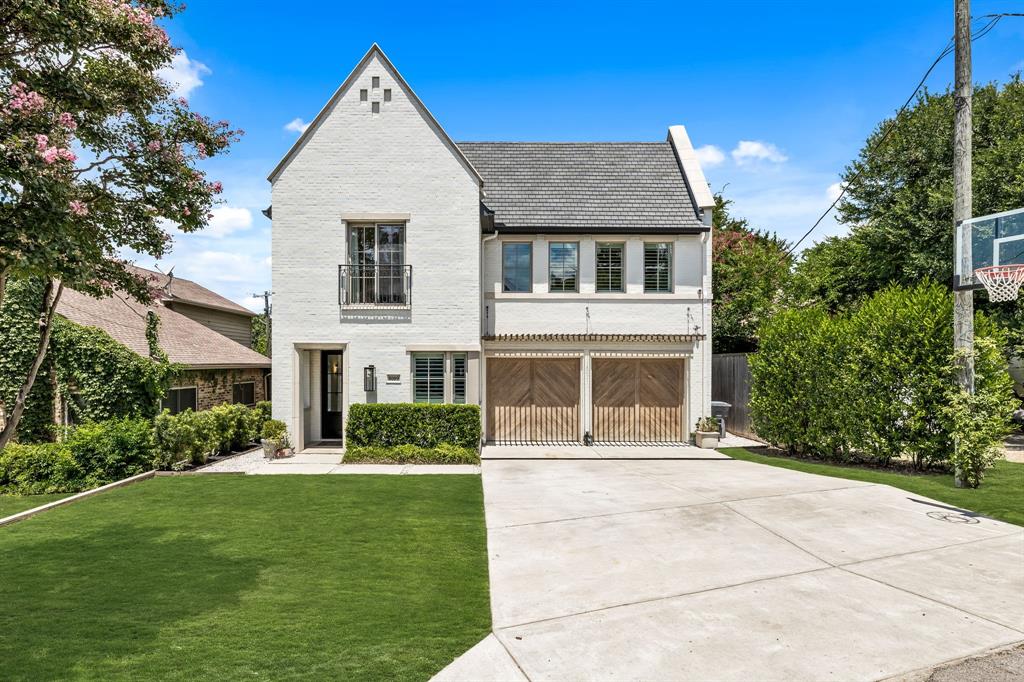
x: 594, y: 142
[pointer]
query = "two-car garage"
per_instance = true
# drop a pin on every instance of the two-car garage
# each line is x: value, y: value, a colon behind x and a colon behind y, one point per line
x: 629, y: 399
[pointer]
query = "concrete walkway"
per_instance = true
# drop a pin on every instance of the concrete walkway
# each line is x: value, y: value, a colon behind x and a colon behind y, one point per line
x: 325, y: 463
x: 718, y: 569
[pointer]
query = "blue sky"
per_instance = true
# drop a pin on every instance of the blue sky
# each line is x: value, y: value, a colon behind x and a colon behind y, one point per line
x: 779, y: 96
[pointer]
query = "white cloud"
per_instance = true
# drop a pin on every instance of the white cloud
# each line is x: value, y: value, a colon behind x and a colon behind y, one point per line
x: 296, y: 125
x: 184, y: 74
x: 834, y: 190
x: 253, y: 303
x: 226, y: 220
x: 710, y: 156
x: 748, y: 152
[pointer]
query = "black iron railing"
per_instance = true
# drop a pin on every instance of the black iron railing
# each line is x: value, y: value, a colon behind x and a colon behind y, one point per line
x: 375, y: 285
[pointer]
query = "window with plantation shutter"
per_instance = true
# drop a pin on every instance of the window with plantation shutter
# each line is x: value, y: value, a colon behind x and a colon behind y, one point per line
x: 459, y: 378
x: 428, y: 378
x: 658, y: 267
x: 608, y: 270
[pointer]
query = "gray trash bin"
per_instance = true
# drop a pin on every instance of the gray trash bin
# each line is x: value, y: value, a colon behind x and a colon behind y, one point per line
x: 720, y: 410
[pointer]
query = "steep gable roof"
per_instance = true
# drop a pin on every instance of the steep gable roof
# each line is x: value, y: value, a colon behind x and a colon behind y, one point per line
x: 593, y: 186
x: 343, y: 88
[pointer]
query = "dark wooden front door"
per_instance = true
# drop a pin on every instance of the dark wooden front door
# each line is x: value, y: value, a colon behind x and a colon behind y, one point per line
x: 332, y: 414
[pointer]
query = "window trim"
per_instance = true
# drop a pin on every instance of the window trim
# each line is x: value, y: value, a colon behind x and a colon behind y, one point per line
x: 242, y: 383
x: 671, y: 266
x: 352, y: 225
x: 576, y: 288
x: 622, y: 266
x: 194, y: 387
x: 529, y: 269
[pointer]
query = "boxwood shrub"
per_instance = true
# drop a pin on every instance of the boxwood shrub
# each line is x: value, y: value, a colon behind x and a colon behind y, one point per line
x: 426, y: 426
x: 412, y: 454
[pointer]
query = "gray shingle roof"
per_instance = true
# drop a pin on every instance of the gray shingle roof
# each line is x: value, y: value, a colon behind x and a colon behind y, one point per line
x: 584, y: 186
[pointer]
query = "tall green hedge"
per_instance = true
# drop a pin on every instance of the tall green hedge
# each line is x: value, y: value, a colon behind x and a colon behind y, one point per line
x: 876, y: 382
x: 427, y: 426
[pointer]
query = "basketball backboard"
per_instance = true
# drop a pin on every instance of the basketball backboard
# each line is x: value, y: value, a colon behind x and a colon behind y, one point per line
x: 996, y: 239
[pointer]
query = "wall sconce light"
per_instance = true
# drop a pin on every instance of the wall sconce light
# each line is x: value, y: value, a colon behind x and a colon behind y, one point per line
x: 369, y: 379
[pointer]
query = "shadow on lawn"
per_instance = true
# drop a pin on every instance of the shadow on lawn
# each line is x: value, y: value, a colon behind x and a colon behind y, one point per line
x: 95, y: 602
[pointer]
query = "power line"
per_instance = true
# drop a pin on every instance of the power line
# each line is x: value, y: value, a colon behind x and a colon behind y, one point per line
x: 982, y: 32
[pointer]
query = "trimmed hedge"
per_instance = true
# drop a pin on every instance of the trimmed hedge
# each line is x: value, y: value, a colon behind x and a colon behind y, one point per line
x: 426, y: 426
x: 412, y: 454
x: 190, y: 438
x: 878, y: 382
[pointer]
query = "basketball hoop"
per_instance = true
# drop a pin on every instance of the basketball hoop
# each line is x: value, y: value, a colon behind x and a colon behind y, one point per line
x: 1002, y: 282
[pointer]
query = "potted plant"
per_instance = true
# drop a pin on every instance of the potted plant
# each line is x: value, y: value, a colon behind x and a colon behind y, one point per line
x: 707, y: 432
x: 274, y: 438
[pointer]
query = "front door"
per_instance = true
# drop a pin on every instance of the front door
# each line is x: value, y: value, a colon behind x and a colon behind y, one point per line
x: 332, y: 415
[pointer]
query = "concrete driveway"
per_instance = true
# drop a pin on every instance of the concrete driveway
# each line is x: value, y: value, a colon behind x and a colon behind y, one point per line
x: 718, y: 569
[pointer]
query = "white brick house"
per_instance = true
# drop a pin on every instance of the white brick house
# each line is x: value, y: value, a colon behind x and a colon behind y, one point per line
x: 565, y: 288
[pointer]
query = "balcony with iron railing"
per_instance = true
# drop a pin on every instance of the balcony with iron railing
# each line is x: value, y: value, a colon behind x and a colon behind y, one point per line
x: 375, y: 286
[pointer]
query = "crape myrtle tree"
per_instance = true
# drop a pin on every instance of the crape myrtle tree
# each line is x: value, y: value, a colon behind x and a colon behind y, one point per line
x: 96, y: 155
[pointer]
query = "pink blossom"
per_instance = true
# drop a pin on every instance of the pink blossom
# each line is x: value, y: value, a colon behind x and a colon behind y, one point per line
x: 216, y: 187
x: 201, y: 148
x: 186, y: 211
x: 42, y: 142
x: 68, y: 121
x: 78, y: 208
x: 66, y: 155
x: 154, y: 146
x: 50, y: 155
x: 24, y: 100
x: 182, y: 101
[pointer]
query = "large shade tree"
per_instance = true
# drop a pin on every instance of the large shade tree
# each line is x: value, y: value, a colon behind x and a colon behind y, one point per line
x: 750, y: 270
x: 899, y: 200
x: 96, y: 155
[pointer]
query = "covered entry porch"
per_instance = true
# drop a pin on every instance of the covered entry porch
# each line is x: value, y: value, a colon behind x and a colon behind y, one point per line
x: 590, y: 388
x: 320, y: 396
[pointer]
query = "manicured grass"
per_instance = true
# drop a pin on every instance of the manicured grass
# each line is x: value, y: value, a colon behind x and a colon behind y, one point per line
x: 248, y: 577
x: 1000, y: 496
x: 12, y: 504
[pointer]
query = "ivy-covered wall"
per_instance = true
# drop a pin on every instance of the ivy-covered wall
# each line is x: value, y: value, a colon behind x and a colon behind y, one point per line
x: 100, y: 378
x: 19, y: 335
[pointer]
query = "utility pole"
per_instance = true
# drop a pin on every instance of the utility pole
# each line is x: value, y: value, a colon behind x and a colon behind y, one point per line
x: 266, y: 317
x: 963, y: 303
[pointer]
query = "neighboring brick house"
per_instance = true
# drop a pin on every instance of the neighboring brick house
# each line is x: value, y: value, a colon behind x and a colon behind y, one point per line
x: 199, y: 329
x: 564, y: 287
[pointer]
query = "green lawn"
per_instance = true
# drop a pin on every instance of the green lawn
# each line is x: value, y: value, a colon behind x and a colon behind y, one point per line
x: 1000, y: 496
x: 12, y: 504
x: 248, y: 577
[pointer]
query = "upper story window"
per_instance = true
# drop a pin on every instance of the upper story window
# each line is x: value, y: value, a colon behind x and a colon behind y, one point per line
x: 657, y: 267
x: 516, y: 266
x: 376, y: 271
x: 563, y: 266
x: 609, y: 268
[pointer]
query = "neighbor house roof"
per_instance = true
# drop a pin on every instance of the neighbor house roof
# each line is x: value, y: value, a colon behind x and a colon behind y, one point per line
x: 177, y: 289
x: 609, y: 187
x: 184, y: 340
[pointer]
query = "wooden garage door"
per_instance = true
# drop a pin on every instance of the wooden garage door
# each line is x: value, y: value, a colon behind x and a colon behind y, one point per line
x: 638, y: 401
x: 533, y: 399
